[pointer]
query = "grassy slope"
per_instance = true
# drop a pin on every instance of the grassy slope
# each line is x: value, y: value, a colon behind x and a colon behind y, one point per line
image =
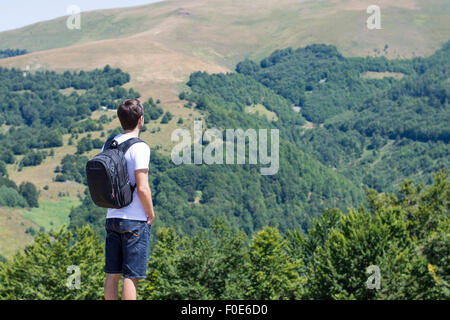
x: 228, y: 28
x: 161, y: 43
x: 12, y: 231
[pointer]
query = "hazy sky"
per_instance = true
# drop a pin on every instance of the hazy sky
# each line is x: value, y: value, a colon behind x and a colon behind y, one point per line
x: 18, y: 13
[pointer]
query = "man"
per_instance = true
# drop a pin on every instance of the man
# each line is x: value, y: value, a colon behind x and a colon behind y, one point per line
x: 128, y: 228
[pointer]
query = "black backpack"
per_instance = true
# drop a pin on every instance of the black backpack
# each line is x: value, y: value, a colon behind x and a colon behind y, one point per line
x: 107, y: 175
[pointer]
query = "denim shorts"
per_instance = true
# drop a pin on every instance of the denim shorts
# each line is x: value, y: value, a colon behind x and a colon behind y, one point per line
x: 126, y: 247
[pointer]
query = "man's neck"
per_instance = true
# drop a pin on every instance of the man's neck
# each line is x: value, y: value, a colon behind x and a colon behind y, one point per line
x: 134, y: 133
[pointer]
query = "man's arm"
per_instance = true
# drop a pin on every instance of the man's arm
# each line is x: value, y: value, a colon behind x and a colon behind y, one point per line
x: 144, y: 193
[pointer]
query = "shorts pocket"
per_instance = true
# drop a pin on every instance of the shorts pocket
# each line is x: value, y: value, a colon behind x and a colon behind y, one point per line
x: 132, y: 230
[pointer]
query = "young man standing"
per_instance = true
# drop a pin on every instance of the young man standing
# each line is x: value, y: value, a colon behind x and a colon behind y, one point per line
x: 128, y: 228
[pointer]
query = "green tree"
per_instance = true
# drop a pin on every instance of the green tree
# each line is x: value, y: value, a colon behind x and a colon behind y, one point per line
x: 199, y: 267
x: 272, y: 273
x: 412, y: 257
x: 30, y: 193
x: 10, y: 197
x: 167, y: 117
x: 41, y: 271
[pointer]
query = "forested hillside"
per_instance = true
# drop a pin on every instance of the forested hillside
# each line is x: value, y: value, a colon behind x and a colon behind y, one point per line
x: 190, y: 197
x: 376, y: 131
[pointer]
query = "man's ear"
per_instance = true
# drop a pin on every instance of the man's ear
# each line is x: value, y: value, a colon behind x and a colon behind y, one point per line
x: 141, y: 122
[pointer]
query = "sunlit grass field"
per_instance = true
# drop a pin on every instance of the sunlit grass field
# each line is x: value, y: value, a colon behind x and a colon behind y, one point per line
x: 51, y: 215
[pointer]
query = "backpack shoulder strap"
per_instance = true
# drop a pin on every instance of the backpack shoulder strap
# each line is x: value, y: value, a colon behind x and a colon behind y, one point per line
x: 107, y: 144
x: 124, y: 146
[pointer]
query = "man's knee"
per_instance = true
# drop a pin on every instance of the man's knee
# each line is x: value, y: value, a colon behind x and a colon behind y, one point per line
x: 131, y: 280
x: 113, y: 276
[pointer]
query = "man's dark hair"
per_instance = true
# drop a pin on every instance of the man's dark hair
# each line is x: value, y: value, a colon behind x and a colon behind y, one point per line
x: 129, y: 113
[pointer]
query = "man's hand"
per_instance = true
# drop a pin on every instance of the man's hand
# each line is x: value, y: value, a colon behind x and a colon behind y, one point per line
x: 151, y: 218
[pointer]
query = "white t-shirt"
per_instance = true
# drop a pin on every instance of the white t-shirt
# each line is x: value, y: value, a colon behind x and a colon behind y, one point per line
x: 137, y: 157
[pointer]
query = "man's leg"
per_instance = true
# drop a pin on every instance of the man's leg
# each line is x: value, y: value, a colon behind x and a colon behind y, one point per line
x: 135, y: 243
x: 112, y: 286
x: 113, y: 259
x: 129, y: 290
